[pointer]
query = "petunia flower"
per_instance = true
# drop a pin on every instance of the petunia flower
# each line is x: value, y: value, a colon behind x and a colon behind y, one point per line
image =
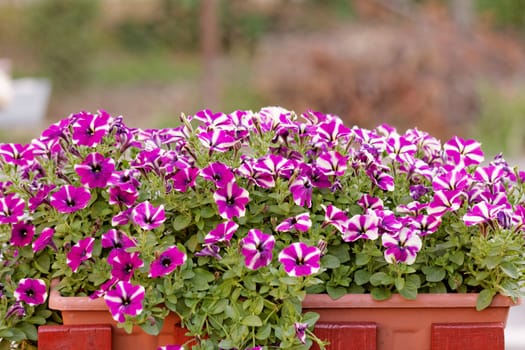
x: 17, y: 154
x: 223, y: 232
x: 361, y: 226
x: 69, y: 199
x: 257, y: 249
x: 167, y: 262
x: 482, y: 212
x: 300, y: 259
x: 11, y: 209
x: 31, y: 291
x: 22, y: 234
x: 95, y: 171
x: 171, y: 347
x: 231, y: 200
x: 185, y: 178
x: 463, y: 152
x: 147, y: 216
x: 332, y: 163
x: 301, y: 189
x: 402, y: 247
x: 123, y: 264
x: 123, y: 194
x: 89, y: 129
x: 80, y: 252
x: 45, y: 239
x: 117, y: 239
x: 335, y: 217
x: 125, y: 299
x: 219, y: 173
x: 301, y: 223
x: 300, y: 331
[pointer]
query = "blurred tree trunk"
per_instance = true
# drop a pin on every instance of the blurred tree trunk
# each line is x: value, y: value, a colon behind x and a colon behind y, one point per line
x: 210, y: 40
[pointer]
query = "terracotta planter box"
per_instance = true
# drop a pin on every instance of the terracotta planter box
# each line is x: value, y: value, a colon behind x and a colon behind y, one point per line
x: 431, y: 322
x: 83, y: 311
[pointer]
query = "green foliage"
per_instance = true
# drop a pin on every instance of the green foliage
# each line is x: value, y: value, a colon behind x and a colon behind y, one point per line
x: 63, y: 38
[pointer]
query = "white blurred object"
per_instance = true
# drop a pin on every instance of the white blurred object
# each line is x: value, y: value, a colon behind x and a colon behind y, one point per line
x: 6, y: 85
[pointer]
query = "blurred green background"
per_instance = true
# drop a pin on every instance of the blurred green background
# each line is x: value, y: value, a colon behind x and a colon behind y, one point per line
x: 448, y: 67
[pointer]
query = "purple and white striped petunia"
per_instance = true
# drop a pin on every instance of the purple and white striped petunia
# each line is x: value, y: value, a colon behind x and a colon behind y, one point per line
x: 125, y: 299
x: 402, y: 247
x: 11, y: 209
x: 89, y: 129
x: 231, y: 200
x: 424, y: 225
x: 185, y: 178
x: 31, y: 291
x: 301, y: 223
x: 362, y: 226
x: 300, y: 259
x: 335, y: 217
x: 147, y: 216
x: 167, y: 262
x: 95, y: 171
x: 217, y: 140
x: 123, y: 194
x: 482, y: 212
x: 69, y: 199
x: 301, y: 189
x: 332, y: 163
x: 45, y: 239
x: 22, y: 234
x: 463, y: 152
x: 17, y: 154
x: 444, y: 201
x: 123, y: 264
x: 117, y: 239
x: 300, y: 331
x: 223, y: 232
x: 80, y: 252
x: 219, y: 173
x: 257, y: 249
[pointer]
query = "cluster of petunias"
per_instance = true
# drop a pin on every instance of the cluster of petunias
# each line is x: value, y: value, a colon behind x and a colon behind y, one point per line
x: 111, y: 199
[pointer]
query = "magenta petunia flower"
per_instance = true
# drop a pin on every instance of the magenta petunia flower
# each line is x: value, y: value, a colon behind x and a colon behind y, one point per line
x: 217, y: 140
x: 95, y: 171
x: 424, y: 225
x: 444, y: 201
x: 69, y: 199
x: 301, y: 189
x: 31, y: 291
x: 89, y: 129
x: 361, y: 226
x: 301, y: 223
x: 22, y: 234
x: 167, y: 262
x: 223, y: 232
x: 122, y: 218
x: 147, y: 216
x: 171, y: 347
x: 45, y: 239
x: 335, y: 217
x: 231, y: 200
x: 16, y: 154
x: 257, y: 249
x: 125, y: 299
x: 123, y: 264
x: 402, y: 247
x: 300, y: 259
x: 482, y: 212
x: 80, y: 252
x: 117, y: 239
x: 219, y: 173
x: 123, y: 194
x: 332, y: 163
x: 369, y: 202
x: 185, y: 178
x: 463, y: 152
x: 11, y: 209
x: 300, y: 331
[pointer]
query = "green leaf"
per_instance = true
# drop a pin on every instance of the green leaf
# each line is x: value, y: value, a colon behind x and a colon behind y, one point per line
x: 330, y: 262
x: 152, y: 328
x: 362, y: 277
x: 43, y: 263
x: 180, y: 222
x: 510, y: 270
x: 263, y: 332
x: 252, y: 321
x: 381, y: 278
x: 399, y: 283
x: 380, y: 293
x: 335, y: 292
x: 311, y: 318
x: 434, y: 273
x: 457, y: 258
x: 484, y: 299
x: 362, y: 259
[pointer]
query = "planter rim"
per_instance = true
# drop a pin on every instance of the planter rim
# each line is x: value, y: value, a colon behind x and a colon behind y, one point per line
x: 58, y: 302
x: 435, y: 300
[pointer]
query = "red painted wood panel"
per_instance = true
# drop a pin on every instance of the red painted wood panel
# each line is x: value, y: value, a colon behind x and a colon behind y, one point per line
x: 461, y: 336
x: 80, y: 337
x: 347, y: 336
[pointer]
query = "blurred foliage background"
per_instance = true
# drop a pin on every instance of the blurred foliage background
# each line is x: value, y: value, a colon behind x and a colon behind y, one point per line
x: 448, y: 67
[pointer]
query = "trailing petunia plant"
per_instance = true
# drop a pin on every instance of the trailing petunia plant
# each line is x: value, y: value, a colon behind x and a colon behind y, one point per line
x: 229, y: 220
